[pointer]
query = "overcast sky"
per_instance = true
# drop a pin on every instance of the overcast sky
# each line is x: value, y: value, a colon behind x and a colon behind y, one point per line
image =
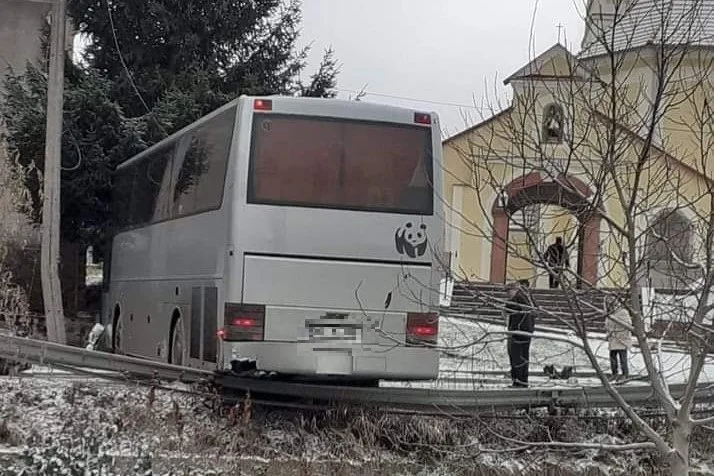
x: 446, y: 56
x: 445, y: 51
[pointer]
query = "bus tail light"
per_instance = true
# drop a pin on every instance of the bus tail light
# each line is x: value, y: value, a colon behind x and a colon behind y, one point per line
x: 422, y: 118
x: 422, y: 328
x: 263, y: 105
x: 243, y: 322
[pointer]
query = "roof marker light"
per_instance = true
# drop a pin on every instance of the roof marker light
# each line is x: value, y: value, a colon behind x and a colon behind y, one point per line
x: 263, y: 105
x: 422, y: 118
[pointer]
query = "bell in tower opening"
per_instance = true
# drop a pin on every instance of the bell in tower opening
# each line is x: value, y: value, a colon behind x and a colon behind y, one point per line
x: 553, y: 123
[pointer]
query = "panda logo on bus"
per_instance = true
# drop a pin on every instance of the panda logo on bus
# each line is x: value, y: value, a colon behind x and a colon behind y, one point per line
x: 411, y: 240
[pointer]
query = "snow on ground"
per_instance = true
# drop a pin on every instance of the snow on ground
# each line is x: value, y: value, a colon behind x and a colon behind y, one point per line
x: 51, y: 425
x: 472, y: 351
x: 675, y: 307
x: 54, y: 422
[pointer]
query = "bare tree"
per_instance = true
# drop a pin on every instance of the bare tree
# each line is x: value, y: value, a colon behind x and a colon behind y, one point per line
x: 610, y: 149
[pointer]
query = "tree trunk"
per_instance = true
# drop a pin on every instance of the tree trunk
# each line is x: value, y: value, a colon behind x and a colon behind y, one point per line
x: 679, y: 459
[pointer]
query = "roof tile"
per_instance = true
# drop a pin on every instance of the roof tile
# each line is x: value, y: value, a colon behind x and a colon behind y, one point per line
x: 663, y: 22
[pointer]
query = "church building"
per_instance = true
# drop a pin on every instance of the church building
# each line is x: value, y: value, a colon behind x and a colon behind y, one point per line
x: 608, y: 149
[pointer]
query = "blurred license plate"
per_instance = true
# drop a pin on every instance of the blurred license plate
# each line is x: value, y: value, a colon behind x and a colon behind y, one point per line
x: 336, y: 328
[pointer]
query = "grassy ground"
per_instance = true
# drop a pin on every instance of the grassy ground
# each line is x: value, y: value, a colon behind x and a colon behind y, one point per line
x: 66, y: 426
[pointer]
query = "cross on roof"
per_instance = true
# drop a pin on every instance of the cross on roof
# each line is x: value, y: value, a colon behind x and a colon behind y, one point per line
x: 559, y: 26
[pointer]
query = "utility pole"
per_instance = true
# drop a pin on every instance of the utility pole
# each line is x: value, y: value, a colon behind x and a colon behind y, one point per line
x: 50, y: 259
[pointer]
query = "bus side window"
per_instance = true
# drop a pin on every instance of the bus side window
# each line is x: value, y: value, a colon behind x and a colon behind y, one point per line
x: 201, y: 164
x: 143, y: 195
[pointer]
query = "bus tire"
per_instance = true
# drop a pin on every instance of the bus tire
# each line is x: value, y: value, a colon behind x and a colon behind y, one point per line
x: 176, y: 340
x: 117, y: 331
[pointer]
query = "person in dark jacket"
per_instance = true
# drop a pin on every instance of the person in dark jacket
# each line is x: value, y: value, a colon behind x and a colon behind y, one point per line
x: 520, y: 319
x: 556, y: 258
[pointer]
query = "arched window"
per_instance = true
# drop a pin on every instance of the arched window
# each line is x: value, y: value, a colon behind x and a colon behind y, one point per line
x: 553, y: 123
x: 669, y: 244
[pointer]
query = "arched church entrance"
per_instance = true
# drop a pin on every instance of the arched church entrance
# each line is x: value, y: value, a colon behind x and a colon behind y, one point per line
x: 565, y: 191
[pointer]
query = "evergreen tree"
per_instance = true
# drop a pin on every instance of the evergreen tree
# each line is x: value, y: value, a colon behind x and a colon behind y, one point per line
x: 152, y: 67
x: 228, y: 47
x: 97, y: 136
x: 322, y: 83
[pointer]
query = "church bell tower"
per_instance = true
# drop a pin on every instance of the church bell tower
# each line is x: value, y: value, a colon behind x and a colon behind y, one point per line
x: 600, y: 17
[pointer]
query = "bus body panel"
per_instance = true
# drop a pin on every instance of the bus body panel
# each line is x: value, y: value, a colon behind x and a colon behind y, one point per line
x: 304, y: 263
x: 301, y: 263
x: 367, y: 362
x: 333, y: 234
x: 323, y: 231
x: 175, y: 265
x: 336, y: 284
x: 147, y: 307
x: 191, y: 248
x: 154, y: 274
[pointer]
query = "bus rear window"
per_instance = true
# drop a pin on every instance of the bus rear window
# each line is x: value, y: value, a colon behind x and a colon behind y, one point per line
x: 343, y: 164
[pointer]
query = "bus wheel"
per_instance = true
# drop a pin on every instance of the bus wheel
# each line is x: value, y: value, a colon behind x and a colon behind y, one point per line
x: 117, y: 332
x: 176, y: 338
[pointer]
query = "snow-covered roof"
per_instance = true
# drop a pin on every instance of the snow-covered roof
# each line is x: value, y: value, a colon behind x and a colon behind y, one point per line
x: 662, y: 22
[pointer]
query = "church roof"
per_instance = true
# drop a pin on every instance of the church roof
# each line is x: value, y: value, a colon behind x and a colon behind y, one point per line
x: 660, y: 22
x: 536, y: 66
x: 555, y: 62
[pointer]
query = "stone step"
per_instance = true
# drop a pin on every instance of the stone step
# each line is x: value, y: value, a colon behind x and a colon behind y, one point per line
x: 500, y: 287
x: 538, y: 311
x: 537, y: 295
x: 538, y: 301
x: 555, y: 317
x: 539, y: 323
x: 535, y: 292
x: 564, y: 307
x: 560, y: 311
x: 556, y: 307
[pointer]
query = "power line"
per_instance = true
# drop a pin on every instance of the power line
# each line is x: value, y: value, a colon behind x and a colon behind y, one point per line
x: 426, y: 101
x: 128, y: 73
x: 481, y: 110
x: 121, y: 58
x: 452, y: 104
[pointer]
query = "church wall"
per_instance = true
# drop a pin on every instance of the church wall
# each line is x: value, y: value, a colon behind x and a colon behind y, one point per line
x: 613, y: 248
x: 688, y: 124
x: 475, y: 247
x: 686, y: 191
x: 611, y: 258
x: 519, y: 264
x: 494, y: 161
x: 664, y: 185
x: 457, y: 183
x: 681, y: 104
x: 557, y: 221
x: 471, y: 162
x: 635, y: 87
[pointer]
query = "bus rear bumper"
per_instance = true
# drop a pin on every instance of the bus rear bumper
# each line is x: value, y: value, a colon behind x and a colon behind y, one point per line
x: 361, y: 362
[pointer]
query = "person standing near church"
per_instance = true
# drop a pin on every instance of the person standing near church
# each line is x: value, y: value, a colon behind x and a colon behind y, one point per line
x: 556, y: 259
x: 520, y: 319
x: 619, y: 337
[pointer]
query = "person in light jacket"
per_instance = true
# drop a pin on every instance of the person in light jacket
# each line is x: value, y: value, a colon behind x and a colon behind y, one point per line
x: 619, y: 338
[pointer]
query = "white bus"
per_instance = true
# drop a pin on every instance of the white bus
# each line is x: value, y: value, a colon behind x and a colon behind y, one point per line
x: 299, y: 235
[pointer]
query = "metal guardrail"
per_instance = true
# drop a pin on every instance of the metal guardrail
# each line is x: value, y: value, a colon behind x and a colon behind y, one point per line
x: 466, y: 401
x: 419, y: 399
x: 46, y: 353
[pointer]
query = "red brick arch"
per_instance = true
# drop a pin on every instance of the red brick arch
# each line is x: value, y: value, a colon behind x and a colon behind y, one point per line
x: 574, y: 194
